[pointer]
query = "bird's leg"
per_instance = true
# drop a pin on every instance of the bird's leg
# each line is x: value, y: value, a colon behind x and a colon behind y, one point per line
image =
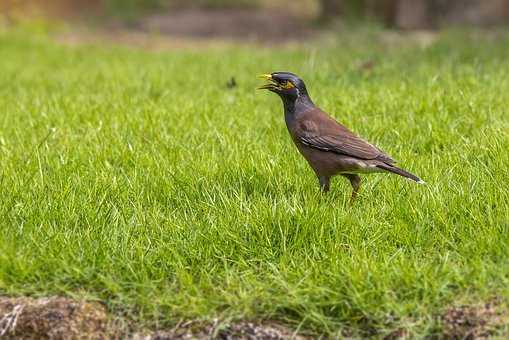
x: 324, y: 183
x: 355, y: 181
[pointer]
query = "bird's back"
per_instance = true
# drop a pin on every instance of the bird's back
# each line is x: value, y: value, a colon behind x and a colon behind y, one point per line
x: 314, y: 128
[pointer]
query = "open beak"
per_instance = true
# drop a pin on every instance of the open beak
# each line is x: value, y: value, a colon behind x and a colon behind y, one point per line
x: 270, y: 86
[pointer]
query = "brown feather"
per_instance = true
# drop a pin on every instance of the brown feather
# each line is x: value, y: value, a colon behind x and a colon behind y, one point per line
x: 314, y: 128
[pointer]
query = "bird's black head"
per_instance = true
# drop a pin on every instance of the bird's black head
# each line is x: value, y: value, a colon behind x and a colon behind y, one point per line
x: 287, y: 85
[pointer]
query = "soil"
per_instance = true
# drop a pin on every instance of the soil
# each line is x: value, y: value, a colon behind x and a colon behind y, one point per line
x: 474, y: 321
x: 199, y: 28
x: 51, y: 318
x: 241, y: 330
x: 62, y: 318
x: 190, y: 28
x: 65, y: 318
x: 234, y: 24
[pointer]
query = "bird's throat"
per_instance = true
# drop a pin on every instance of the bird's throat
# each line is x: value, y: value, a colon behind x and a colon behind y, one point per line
x: 297, y: 106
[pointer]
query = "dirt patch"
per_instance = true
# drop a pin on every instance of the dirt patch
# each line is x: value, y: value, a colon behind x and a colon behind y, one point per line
x: 190, y: 28
x: 51, y: 318
x: 239, y: 330
x: 64, y: 318
x: 234, y: 24
x: 475, y: 321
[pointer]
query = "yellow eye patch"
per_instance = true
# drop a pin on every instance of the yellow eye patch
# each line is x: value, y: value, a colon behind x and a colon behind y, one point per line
x: 287, y: 85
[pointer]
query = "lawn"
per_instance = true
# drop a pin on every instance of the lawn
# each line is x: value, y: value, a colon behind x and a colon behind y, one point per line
x: 139, y: 179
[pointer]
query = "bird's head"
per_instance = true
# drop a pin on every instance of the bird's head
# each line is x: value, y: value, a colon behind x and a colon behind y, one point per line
x: 287, y: 85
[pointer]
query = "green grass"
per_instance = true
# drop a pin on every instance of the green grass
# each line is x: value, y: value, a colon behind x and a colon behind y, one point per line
x: 138, y: 179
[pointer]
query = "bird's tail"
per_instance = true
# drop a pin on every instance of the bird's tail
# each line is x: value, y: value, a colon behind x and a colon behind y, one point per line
x: 401, y: 172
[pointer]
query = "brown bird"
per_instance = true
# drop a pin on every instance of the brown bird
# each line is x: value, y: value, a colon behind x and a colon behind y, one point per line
x: 329, y: 147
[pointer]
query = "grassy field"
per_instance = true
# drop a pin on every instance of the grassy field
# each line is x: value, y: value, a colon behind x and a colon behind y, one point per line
x: 138, y: 179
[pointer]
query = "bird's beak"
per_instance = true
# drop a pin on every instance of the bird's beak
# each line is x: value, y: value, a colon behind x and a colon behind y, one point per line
x: 269, y: 86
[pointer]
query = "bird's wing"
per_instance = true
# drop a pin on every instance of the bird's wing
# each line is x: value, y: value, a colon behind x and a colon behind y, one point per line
x: 316, y: 129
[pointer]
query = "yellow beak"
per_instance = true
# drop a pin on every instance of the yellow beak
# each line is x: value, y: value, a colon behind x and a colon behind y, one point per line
x: 266, y: 86
x: 265, y: 76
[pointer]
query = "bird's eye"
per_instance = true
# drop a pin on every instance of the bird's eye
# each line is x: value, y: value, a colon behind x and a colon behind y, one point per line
x: 287, y: 85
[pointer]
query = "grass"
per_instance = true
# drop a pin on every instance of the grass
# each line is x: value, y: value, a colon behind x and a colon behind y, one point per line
x: 138, y: 179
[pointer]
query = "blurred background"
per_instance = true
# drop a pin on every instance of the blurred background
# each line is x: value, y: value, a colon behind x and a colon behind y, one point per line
x: 260, y: 20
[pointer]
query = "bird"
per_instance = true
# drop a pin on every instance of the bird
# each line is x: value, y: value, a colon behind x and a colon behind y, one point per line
x: 330, y: 148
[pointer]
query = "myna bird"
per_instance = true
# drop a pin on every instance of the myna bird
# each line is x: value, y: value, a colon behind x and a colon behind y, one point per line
x: 329, y: 147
